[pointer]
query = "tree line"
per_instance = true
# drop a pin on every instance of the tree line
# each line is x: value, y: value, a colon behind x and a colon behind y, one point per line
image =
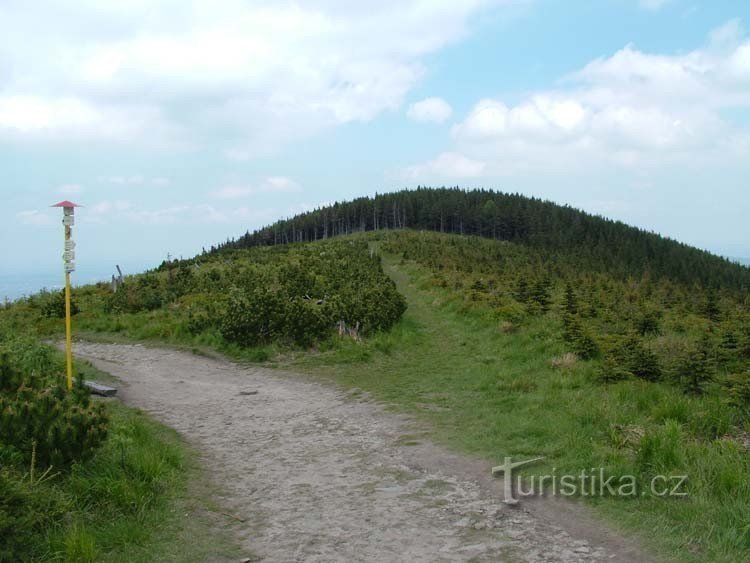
x: 597, y: 242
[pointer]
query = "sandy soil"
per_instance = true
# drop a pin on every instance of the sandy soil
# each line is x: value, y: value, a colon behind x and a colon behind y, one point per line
x: 319, y: 474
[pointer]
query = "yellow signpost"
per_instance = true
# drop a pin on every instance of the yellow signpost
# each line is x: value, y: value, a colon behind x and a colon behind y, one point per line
x: 69, y: 256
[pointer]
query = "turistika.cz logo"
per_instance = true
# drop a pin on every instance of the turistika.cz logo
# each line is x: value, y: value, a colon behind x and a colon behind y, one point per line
x: 588, y: 482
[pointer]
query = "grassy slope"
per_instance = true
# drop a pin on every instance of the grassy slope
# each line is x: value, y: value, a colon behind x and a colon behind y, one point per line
x: 496, y: 394
x: 141, y: 498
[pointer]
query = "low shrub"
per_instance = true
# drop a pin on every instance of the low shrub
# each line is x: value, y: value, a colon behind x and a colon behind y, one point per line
x: 52, y: 305
x: 611, y: 370
x: 253, y: 317
x: 695, y: 370
x: 738, y: 391
x: 136, y: 294
x: 54, y: 426
x: 575, y: 333
x: 647, y: 322
x: 294, y: 294
x: 38, y: 417
x: 634, y: 357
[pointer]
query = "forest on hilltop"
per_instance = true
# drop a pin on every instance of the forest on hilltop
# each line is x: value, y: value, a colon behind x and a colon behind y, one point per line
x: 598, y: 243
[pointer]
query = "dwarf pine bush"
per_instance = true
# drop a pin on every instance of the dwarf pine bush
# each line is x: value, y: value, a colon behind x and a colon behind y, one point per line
x: 38, y: 415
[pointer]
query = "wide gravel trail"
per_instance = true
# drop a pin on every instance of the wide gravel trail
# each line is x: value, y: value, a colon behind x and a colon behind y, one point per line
x: 316, y: 473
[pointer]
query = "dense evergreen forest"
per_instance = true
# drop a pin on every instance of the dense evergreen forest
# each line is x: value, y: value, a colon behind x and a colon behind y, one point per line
x: 598, y: 243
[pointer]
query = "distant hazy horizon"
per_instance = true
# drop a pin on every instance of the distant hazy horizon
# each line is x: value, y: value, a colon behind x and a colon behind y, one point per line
x: 22, y: 284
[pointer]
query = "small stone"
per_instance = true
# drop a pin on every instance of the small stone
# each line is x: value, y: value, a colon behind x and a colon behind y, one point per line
x: 248, y: 392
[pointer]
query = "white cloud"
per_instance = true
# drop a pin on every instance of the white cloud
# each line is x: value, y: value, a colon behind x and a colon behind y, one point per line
x: 255, y: 75
x: 165, y: 216
x: 104, y: 211
x: 652, y: 5
x: 202, y: 213
x: 70, y: 189
x: 430, y: 110
x: 446, y: 166
x: 630, y: 110
x: 727, y: 35
x: 542, y: 115
x: 121, y: 211
x: 235, y: 192
x: 273, y: 184
x: 135, y: 180
x: 74, y: 118
x: 27, y: 114
x: 280, y: 184
x: 34, y: 218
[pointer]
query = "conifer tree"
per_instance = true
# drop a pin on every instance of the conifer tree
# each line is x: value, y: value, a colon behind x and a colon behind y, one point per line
x: 540, y: 295
x: 696, y: 368
x: 571, y: 301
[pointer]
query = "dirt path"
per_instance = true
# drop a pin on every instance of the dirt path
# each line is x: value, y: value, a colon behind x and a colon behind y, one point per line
x: 321, y: 475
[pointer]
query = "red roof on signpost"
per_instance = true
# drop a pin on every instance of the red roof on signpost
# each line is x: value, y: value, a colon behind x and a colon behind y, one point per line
x: 65, y: 203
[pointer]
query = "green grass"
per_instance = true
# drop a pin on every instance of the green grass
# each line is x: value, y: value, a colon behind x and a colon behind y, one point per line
x: 159, y: 329
x: 495, y: 393
x: 142, y: 497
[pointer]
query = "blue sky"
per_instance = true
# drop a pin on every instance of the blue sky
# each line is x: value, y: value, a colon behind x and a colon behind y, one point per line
x: 179, y: 124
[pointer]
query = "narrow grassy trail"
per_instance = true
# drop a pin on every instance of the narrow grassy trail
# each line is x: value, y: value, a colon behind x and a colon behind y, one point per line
x: 439, y: 351
x: 422, y: 364
x: 476, y: 385
x: 447, y: 360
